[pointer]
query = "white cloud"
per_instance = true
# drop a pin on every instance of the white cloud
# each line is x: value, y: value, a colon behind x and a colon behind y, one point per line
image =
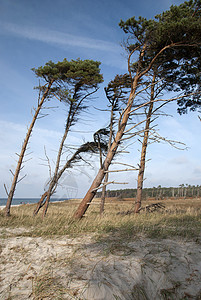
x: 179, y: 160
x: 59, y: 38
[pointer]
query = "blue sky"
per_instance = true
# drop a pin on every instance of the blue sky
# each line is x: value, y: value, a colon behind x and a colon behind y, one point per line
x: 34, y: 32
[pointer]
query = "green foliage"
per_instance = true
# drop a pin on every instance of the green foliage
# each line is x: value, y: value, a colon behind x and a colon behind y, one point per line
x: 117, y: 90
x: 157, y: 192
x: 85, y: 73
x: 179, y: 24
x: 177, y: 32
x: 71, y: 82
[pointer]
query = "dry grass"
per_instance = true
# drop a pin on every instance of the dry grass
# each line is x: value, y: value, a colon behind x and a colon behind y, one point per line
x: 181, y: 218
x: 46, y: 286
x: 111, y: 235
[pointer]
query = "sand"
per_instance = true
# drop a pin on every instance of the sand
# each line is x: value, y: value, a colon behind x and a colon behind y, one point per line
x: 82, y: 268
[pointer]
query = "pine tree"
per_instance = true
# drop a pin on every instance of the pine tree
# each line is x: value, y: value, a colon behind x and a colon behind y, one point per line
x: 173, y: 32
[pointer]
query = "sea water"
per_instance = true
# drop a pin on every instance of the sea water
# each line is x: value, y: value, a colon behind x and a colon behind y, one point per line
x: 19, y: 201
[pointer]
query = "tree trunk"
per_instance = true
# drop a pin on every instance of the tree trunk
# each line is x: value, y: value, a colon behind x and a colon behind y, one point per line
x: 52, y: 187
x: 40, y: 204
x: 122, y: 124
x: 57, y: 174
x: 107, y: 175
x: 46, y: 203
x: 103, y: 195
x: 54, y: 180
x: 24, y: 146
x: 140, y: 180
x: 112, y: 151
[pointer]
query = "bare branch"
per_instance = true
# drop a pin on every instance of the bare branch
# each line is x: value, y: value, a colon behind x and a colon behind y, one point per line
x: 173, y: 143
x: 12, y: 172
x: 42, y: 116
x: 135, y: 126
x: 150, y: 85
x: 134, y: 134
x: 180, y: 44
x: 119, y: 163
x: 99, y: 109
x: 134, y: 169
x: 6, y: 189
x: 26, y: 154
x: 21, y: 178
x: 164, y: 100
x: 110, y: 182
x: 24, y: 161
x: 48, y: 162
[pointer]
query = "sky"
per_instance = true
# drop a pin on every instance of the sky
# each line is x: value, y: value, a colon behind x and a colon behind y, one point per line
x: 34, y: 32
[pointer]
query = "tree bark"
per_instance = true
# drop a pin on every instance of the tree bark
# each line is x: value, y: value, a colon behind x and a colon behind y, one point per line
x: 144, y: 150
x: 112, y: 151
x: 24, y: 147
x: 82, y: 208
x: 40, y: 204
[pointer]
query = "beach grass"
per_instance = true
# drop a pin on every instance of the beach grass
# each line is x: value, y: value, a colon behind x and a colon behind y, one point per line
x: 180, y: 218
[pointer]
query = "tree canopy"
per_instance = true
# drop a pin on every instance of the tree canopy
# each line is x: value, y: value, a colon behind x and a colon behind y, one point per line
x: 175, y: 35
x: 85, y: 73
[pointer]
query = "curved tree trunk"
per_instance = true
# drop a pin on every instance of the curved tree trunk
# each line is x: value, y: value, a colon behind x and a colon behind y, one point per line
x: 24, y: 147
x: 143, y: 151
x: 40, y: 203
x: 57, y: 174
x: 45, y: 198
x: 122, y: 124
x: 112, y: 151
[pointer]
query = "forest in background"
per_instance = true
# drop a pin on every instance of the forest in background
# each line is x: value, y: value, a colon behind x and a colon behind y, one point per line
x: 159, y: 192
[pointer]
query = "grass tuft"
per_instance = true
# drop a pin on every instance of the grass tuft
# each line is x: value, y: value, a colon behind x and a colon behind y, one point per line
x: 46, y: 286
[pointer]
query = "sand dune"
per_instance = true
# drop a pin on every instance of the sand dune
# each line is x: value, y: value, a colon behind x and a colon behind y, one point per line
x: 81, y: 268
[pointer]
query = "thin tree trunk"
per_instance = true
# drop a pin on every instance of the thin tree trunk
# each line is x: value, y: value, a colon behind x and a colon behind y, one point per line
x: 40, y: 204
x: 57, y: 173
x: 140, y: 180
x: 47, y: 201
x: 54, y: 180
x: 24, y: 146
x: 112, y: 151
x: 103, y: 195
x: 52, y: 186
x: 46, y: 196
x: 101, y: 173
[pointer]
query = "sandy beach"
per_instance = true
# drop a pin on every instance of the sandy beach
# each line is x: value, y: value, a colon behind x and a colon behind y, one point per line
x: 83, y: 268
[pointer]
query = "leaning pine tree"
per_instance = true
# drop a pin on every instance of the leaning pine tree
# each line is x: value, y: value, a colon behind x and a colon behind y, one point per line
x: 176, y: 70
x: 81, y: 81
x: 116, y: 93
x: 53, y: 75
x: 175, y: 30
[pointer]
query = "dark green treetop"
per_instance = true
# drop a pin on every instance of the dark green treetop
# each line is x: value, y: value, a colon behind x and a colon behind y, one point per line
x: 117, y: 90
x: 85, y: 73
x: 177, y: 32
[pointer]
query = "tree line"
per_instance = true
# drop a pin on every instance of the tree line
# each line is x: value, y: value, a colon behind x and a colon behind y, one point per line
x: 163, y: 56
x: 159, y: 192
